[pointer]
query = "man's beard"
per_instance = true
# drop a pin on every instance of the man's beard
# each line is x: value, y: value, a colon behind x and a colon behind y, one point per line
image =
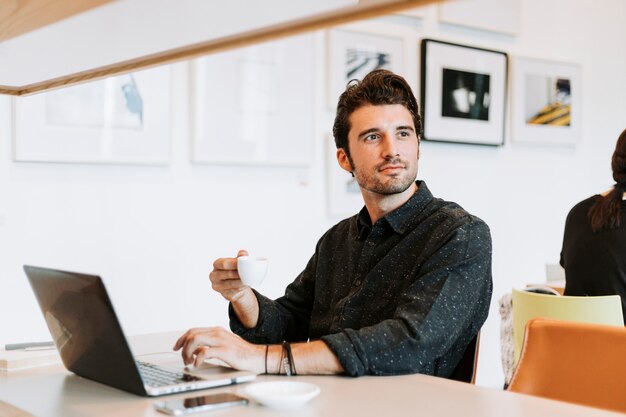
x: 394, y: 185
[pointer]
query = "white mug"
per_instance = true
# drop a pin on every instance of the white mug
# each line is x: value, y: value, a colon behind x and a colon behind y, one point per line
x: 252, y: 269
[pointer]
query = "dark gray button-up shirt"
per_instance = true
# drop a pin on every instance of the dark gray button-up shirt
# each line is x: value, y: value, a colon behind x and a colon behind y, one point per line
x: 404, y: 295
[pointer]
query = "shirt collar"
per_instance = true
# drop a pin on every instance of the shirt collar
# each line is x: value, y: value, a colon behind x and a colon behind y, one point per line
x: 401, y: 218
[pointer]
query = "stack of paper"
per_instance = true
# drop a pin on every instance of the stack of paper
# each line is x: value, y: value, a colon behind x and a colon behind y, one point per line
x: 13, y: 360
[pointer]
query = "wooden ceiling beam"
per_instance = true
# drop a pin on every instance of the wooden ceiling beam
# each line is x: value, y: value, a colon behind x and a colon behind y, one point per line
x: 18, y: 17
x: 211, y: 46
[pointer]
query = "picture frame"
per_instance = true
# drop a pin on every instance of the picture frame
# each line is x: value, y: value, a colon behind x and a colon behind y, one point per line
x: 344, y: 195
x: 463, y: 93
x: 264, y: 115
x: 355, y: 50
x: 119, y: 120
x: 499, y: 16
x: 547, y: 101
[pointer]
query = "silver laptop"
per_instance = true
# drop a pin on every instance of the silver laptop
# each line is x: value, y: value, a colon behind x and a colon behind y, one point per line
x: 90, y: 340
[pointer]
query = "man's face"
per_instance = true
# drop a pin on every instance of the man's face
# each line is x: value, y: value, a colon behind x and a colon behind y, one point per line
x: 384, y: 149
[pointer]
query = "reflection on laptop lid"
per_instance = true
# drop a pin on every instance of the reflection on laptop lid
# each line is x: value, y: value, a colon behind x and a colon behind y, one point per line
x: 90, y: 340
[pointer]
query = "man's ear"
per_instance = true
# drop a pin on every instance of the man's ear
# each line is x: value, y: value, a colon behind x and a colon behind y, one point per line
x: 343, y: 160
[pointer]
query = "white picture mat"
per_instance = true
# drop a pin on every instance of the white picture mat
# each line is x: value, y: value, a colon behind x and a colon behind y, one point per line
x: 437, y: 127
x: 501, y: 16
x: 538, y: 134
x: 255, y: 105
x: 344, y: 195
x: 67, y: 126
x: 372, y: 37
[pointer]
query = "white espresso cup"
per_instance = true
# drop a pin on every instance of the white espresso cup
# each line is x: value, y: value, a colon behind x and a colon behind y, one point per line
x: 252, y: 269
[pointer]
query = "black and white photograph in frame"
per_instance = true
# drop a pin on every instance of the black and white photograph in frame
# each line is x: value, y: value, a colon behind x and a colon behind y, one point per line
x: 466, y: 94
x: 353, y: 54
x: 463, y: 93
x: 546, y: 102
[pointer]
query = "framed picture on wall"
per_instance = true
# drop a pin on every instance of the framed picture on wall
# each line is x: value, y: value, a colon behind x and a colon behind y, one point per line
x: 353, y: 53
x: 122, y: 119
x: 344, y: 195
x: 463, y: 93
x: 546, y: 102
x: 254, y: 105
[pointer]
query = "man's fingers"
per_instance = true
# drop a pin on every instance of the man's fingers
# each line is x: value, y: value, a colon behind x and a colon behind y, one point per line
x: 200, y: 344
x: 181, y: 340
x: 223, y: 275
x: 210, y: 352
x: 201, y: 337
x: 228, y: 263
x: 228, y: 285
x: 201, y: 354
x: 187, y: 353
x: 225, y: 264
x: 188, y: 342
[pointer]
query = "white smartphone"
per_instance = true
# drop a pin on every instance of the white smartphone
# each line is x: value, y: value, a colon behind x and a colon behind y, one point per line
x: 195, y: 404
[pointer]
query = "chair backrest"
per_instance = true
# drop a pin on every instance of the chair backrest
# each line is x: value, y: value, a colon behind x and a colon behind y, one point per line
x: 465, y: 371
x: 580, y: 363
x: 527, y: 305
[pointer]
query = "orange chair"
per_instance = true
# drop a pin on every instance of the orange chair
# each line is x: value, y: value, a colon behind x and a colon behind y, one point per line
x: 575, y: 362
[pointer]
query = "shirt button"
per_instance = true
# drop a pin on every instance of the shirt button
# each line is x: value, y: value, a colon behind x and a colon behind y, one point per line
x: 370, y: 243
x: 358, y: 283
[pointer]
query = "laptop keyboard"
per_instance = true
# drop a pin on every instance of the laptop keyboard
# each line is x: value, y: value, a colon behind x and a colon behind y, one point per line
x: 156, y: 376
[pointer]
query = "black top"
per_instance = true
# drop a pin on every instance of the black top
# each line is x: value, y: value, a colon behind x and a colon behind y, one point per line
x: 405, y: 295
x: 595, y: 263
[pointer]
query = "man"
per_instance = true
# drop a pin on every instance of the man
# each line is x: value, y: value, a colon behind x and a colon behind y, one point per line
x: 402, y: 287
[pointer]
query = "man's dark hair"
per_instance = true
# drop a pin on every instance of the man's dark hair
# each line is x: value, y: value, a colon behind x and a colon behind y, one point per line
x: 377, y: 88
x: 605, y: 212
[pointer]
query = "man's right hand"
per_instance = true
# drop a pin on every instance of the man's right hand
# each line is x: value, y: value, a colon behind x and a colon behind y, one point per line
x: 225, y: 280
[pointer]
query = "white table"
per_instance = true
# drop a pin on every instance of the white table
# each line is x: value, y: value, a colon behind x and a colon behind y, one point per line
x: 53, y: 391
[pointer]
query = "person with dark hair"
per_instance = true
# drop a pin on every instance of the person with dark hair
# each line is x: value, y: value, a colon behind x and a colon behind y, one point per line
x: 594, y: 242
x: 401, y: 287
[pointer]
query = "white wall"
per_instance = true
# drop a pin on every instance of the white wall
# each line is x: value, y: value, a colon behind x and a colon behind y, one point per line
x: 152, y: 232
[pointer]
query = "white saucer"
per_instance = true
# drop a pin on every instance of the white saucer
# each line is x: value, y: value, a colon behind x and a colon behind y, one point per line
x: 282, y: 394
